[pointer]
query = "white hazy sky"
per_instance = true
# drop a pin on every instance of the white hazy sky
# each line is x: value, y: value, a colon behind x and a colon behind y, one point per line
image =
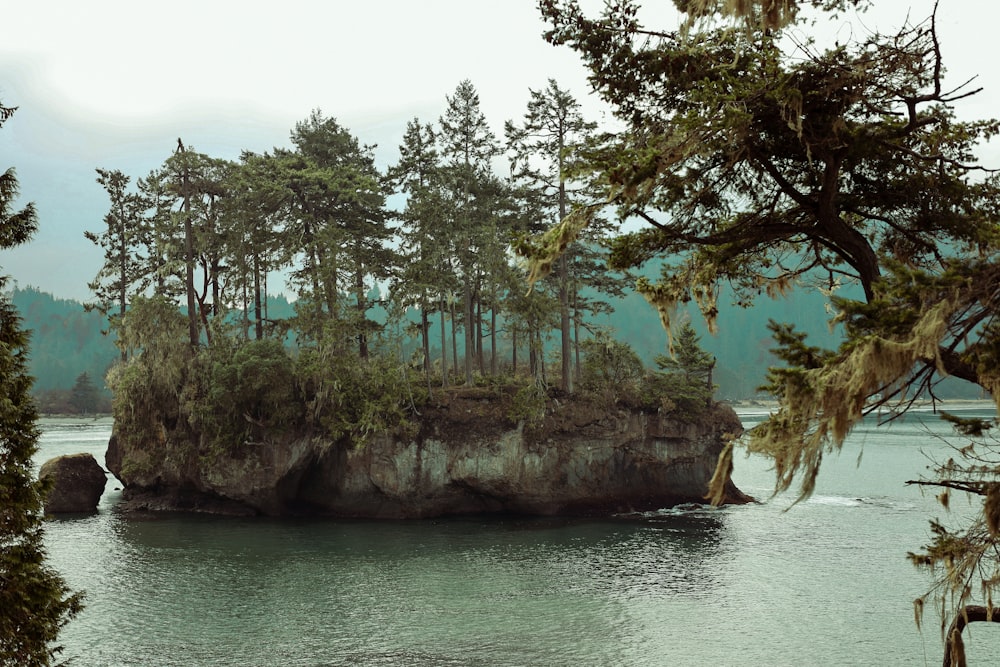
x: 114, y: 83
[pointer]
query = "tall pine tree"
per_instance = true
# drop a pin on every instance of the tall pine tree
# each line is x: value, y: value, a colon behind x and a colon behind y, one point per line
x: 540, y: 148
x: 124, y: 272
x: 34, y: 600
x: 467, y: 144
x: 426, y: 274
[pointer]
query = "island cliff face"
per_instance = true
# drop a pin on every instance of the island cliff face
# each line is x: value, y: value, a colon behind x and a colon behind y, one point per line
x: 461, y: 461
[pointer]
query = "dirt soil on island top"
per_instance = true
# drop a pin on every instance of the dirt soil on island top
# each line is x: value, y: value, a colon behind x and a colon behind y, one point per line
x: 458, y: 411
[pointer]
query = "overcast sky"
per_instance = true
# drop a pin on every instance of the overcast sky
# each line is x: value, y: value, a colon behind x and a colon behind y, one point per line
x: 114, y: 83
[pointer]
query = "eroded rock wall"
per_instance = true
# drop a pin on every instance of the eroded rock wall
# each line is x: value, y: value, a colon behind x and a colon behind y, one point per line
x: 622, y: 461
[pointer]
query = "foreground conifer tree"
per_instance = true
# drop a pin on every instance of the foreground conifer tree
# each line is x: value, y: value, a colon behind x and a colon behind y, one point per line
x: 34, y: 600
x: 763, y: 160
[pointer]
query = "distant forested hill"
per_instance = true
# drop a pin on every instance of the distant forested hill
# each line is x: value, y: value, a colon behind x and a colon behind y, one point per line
x: 742, y: 345
x: 66, y: 341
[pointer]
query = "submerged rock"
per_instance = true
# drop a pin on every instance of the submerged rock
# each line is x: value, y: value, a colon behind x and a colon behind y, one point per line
x: 462, y: 460
x: 78, y: 481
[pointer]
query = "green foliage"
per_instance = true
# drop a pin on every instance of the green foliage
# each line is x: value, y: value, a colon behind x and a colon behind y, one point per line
x: 543, y: 150
x: 35, y: 602
x: 683, y: 383
x: 155, y: 327
x: 337, y: 223
x: 764, y: 15
x: 529, y: 405
x: 148, y: 387
x: 84, y: 395
x: 353, y: 399
x: 467, y: 146
x: 237, y: 391
x: 611, y: 369
x: 425, y: 247
x: 964, y: 549
x: 126, y: 231
x: 681, y: 387
x: 242, y: 393
x: 974, y: 427
x: 762, y: 168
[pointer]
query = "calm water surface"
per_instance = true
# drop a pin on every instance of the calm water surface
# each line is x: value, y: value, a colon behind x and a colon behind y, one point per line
x: 825, y: 583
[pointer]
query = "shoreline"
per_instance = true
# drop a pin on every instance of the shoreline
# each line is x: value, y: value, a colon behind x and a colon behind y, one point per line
x: 763, y: 408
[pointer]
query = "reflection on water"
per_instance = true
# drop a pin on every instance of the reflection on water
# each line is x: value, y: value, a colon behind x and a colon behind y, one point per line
x: 654, y: 556
x: 423, y: 592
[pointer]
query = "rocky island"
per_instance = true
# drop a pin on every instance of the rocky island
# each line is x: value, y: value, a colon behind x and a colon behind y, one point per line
x: 463, y: 455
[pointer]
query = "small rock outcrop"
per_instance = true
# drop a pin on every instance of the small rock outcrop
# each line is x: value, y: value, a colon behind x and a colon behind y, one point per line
x: 78, y: 481
x: 462, y: 460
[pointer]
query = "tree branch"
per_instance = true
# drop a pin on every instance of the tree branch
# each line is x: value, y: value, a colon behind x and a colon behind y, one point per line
x: 970, y: 613
x: 977, y: 488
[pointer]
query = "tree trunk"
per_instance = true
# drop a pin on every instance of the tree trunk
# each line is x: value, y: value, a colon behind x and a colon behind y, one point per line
x: 189, y: 264
x: 329, y: 284
x: 564, y: 328
x: 566, y: 351
x: 479, y: 336
x: 454, y: 338
x: 263, y: 296
x: 259, y: 324
x: 954, y: 648
x: 513, y: 353
x: 576, y: 339
x: 216, y: 290
x: 425, y: 333
x: 444, y: 348
x: 533, y: 352
x: 203, y: 312
x: 359, y: 286
x: 245, y: 312
x: 469, y: 345
x: 847, y: 241
x: 541, y: 357
x: 711, y: 388
x: 123, y: 269
x: 493, y: 341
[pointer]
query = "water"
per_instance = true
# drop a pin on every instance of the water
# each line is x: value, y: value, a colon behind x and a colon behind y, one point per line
x: 825, y: 583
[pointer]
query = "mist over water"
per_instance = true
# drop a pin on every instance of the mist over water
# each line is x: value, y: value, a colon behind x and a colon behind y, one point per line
x: 824, y: 583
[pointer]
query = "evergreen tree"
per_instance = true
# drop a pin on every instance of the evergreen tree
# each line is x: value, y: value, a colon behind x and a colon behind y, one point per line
x: 84, y: 396
x: 426, y: 274
x: 181, y: 194
x: 685, y: 375
x: 251, y: 224
x: 761, y: 168
x: 190, y: 243
x: 338, y: 224
x: 496, y: 205
x: 66, y: 340
x: 611, y: 368
x: 34, y: 600
x: 124, y: 270
x: 185, y: 165
x: 541, y: 147
x: 468, y: 144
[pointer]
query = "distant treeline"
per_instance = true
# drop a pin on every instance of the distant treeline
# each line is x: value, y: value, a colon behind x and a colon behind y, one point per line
x: 67, y: 341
